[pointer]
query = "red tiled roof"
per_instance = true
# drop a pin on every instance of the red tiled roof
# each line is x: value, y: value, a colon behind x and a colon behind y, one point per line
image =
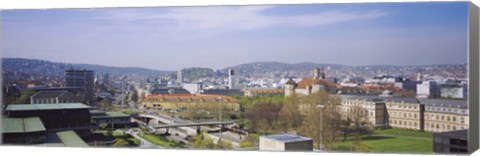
x: 310, y: 82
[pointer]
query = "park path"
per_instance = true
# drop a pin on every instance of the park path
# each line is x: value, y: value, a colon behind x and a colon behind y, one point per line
x: 143, y: 143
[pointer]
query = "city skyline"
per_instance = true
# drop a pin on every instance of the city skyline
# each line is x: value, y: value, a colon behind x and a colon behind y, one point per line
x: 222, y: 36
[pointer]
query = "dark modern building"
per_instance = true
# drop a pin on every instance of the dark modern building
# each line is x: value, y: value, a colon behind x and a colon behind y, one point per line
x: 56, y: 117
x: 453, y: 142
x: 83, y: 79
x: 111, y: 119
x: 28, y: 130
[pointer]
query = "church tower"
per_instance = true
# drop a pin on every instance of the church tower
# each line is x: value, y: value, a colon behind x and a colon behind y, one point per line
x: 290, y: 86
x: 316, y: 73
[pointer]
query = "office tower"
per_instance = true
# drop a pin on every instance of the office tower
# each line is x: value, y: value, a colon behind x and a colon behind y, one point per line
x: 81, y: 81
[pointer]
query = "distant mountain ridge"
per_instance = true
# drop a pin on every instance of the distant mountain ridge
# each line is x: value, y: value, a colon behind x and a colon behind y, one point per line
x: 53, y: 68
x: 35, y: 66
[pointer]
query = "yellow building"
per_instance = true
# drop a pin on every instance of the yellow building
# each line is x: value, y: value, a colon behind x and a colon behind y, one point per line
x: 185, y: 101
x: 445, y: 115
x: 405, y: 113
x: 431, y: 115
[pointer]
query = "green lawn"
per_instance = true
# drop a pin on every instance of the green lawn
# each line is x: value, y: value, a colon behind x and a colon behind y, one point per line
x: 161, y: 141
x: 393, y: 141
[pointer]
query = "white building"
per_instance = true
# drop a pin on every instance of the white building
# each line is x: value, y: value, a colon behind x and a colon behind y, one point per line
x: 428, y: 89
x: 285, y: 142
x: 193, y: 88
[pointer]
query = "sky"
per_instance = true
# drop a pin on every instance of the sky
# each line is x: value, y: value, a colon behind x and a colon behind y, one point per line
x: 172, y: 38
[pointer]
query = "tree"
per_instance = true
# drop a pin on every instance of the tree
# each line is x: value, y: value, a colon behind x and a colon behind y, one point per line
x: 202, y: 141
x: 290, y: 113
x: 264, y: 114
x: 120, y: 142
x: 24, y: 97
x: 321, y: 124
x: 358, y: 116
x: 223, y: 144
x: 134, y: 96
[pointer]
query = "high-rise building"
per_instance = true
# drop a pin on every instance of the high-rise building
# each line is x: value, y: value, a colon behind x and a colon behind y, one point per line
x: 82, y: 81
x: 179, y: 78
x: 231, y: 74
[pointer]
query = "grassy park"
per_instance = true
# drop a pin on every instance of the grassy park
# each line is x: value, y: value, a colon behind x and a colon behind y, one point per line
x: 393, y: 141
x: 161, y: 141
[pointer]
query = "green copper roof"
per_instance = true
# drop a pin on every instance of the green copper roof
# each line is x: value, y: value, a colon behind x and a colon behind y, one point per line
x: 71, y: 139
x: 24, y: 107
x: 22, y: 125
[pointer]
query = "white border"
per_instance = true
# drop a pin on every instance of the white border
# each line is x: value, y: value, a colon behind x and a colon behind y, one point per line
x: 48, y: 4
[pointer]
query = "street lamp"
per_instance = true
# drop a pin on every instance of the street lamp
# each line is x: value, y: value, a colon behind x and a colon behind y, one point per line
x: 321, y: 124
x: 220, y: 113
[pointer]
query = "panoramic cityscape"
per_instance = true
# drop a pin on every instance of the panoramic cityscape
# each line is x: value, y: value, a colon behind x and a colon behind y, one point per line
x: 384, y: 78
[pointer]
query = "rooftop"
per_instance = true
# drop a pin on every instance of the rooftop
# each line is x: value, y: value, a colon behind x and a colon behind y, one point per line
x: 71, y: 139
x: 457, y: 134
x: 286, y: 138
x: 22, y: 125
x: 27, y: 107
x: 445, y: 103
x: 50, y: 93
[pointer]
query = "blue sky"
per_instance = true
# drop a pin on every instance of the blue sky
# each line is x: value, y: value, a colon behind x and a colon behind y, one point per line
x: 172, y: 38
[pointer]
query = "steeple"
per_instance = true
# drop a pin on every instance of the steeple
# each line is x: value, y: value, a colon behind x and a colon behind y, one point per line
x: 316, y: 73
x: 323, y: 74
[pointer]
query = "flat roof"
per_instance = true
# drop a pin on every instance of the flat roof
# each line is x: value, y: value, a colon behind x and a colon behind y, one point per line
x: 286, y: 138
x: 22, y: 125
x: 71, y: 139
x: 26, y: 107
x: 117, y: 114
x: 457, y: 134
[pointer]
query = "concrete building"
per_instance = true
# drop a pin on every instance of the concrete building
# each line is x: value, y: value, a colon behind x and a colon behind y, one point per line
x: 231, y: 77
x: 285, y: 142
x: 54, y: 96
x: 185, y: 101
x: 453, y: 142
x: 193, y: 88
x: 309, y: 86
x: 452, y: 90
x: 179, y: 78
x: 428, y: 89
x: 82, y: 79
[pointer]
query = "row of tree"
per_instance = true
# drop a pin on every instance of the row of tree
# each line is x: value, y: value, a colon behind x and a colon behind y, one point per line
x: 318, y: 116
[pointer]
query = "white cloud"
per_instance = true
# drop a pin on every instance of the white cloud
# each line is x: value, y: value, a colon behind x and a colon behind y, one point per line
x: 193, y: 19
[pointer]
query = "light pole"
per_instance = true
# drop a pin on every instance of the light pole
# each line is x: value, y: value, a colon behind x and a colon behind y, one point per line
x: 220, y: 113
x: 321, y: 125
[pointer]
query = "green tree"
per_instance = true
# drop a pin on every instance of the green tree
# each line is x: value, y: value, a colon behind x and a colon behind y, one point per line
x: 321, y: 124
x: 24, y: 97
x: 120, y: 142
x: 134, y: 96
x: 290, y: 113
x: 264, y: 115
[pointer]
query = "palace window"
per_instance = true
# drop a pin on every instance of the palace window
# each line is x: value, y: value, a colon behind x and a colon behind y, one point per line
x: 454, y: 119
x: 415, y: 124
x: 454, y: 127
x: 448, y: 118
x: 443, y: 117
x: 415, y: 116
x: 462, y: 120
